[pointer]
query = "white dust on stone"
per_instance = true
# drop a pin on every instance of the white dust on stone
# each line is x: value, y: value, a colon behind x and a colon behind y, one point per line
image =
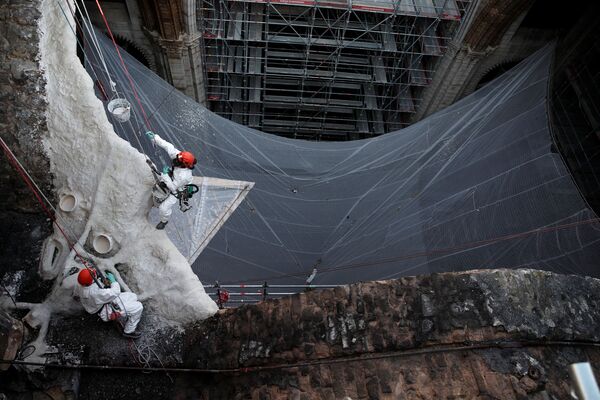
x: 114, y: 183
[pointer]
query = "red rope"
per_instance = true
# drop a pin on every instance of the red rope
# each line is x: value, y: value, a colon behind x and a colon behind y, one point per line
x: 463, y: 246
x: 15, y: 164
x: 131, y: 83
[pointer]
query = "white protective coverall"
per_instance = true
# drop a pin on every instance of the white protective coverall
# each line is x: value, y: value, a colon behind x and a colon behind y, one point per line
x: 99, y: 301
x: 181, y: 177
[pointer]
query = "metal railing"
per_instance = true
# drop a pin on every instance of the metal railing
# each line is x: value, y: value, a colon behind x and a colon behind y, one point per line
x: 222, y: 296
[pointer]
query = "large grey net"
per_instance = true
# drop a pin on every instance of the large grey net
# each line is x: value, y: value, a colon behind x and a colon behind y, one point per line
x: 476, y: 185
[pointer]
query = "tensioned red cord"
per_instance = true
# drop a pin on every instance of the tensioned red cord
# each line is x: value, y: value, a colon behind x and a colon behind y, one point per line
x: 15, y: 164
x: 347, y: 266
x: 135, y: 94
x: 25, y: 178
x: 462, y: 246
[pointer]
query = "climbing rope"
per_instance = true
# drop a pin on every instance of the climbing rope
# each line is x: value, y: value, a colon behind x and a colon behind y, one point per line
x: 93, y: 55
x: 464, y: 346
x: 145, y: 352
x: 94, y: 38
x: 127, y: 74
x: 38, y: 194
x: 98, y: 54
x: 26, y: 177
x: 463, y: 246
x: 96, y: 48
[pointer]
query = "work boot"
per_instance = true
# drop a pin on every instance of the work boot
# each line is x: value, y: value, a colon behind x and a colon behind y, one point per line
x: 133, y: 335
x: 161, y: 225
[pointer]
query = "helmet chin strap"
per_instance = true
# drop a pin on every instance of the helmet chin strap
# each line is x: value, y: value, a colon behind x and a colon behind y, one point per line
x: 177, y: 162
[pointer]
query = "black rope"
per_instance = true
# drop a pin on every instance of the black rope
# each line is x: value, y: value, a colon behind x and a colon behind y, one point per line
x: 449, y: 348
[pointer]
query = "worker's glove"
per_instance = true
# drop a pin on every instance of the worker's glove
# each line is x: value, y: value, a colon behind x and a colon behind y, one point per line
x: 150, y: 134
x: 111, y: 278
x: 166, y: 170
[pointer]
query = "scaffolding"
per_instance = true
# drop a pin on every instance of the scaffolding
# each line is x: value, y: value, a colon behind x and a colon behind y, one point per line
x: 323, y: 70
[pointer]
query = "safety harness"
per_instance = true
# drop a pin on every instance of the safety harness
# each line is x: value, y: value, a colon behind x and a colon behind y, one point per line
x: 111, y: 309
x: 183, y: 195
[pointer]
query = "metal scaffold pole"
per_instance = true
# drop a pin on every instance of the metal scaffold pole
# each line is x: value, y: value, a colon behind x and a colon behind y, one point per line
x: 323, y: 70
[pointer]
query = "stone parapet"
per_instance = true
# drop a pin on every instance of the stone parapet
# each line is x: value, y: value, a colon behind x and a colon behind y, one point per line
x: 485, y: 334
x: 496, y: 333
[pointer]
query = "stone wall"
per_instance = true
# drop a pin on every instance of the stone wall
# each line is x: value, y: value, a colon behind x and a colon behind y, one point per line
x: 165, y: 32
x: 480, y: 334
x: 485, y: 334
x: 493, y: 334
x: 23, y: 225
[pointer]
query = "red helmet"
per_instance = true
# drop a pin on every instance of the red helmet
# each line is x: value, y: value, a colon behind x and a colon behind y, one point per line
x: 86, y: 277
x: 186, y: 159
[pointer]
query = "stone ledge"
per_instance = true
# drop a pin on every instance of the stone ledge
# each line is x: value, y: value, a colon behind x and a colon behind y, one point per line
x: 504, y: 334
x: 408, y: 313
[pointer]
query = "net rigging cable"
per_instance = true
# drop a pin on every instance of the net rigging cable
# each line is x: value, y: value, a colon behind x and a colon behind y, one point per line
x: 476, y: 185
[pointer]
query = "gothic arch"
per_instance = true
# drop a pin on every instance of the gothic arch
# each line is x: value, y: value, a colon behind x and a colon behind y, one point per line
x: 136, y: 51
x: 495, y: 71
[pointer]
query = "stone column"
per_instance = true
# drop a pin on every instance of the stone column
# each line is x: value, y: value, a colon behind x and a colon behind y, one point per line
x: 171, y: 25
x: 457, y: 67
x: 196, y: 68
x: 183, y: 65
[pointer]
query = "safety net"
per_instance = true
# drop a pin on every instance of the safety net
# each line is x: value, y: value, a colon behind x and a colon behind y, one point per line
x: 205, y: 213
x: 476, y: 185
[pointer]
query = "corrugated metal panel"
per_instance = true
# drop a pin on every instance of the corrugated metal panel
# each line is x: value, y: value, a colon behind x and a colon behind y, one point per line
x: 425, y: 8
x: 370, y: 99
x: 407, y: 6
x: 362, y: 124
x: 255, y: 89
x: 255, y: 26
x: 235, y: 90
x: 447, y: 9
x: 378, y: 69
x: 406, y: 104
x: 255, y: 61
x: 430, y: 44
x: 254, y: 115
x: 388, y: 38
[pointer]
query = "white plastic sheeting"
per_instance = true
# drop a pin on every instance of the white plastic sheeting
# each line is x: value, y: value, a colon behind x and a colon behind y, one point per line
x: 110, y: 191
x: 476, y: 185
x: 216, y: 200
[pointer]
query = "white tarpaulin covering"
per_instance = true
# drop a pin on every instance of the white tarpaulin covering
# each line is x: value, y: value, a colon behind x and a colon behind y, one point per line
x: 217, y: 199
x: 477, y: 185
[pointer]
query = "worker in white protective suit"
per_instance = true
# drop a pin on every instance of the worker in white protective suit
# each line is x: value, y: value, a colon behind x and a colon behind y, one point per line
x: 109, y: 303
x: 176, y: 178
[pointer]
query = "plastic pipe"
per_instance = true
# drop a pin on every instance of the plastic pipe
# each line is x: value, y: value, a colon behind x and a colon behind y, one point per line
x: 102, y: 243
x: 68, y: 202
x: 583, y: 381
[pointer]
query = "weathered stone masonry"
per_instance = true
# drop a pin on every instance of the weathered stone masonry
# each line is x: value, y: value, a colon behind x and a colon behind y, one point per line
x: 514, y: 320
x: 23, y: 225
x: 496, y: 334
x: 474, y: 335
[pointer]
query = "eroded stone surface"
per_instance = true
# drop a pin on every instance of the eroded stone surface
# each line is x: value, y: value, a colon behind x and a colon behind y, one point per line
x: 23, y: 224
x: 479, y: 335
x: 512, y: 321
